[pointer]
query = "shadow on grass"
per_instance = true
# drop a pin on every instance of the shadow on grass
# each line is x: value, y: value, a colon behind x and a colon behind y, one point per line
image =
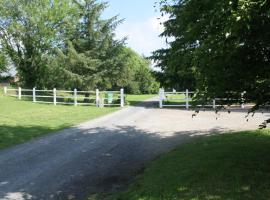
x: 226, y: 167
x: 12, y: 135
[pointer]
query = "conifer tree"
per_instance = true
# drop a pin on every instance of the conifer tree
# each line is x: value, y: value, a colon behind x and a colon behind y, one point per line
x: 89, y: 55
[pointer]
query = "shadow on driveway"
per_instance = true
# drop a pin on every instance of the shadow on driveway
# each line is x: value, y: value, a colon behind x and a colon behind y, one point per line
x: 75, y: 162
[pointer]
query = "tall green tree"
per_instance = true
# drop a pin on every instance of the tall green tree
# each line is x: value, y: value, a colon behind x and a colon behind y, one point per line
x: 93, y: 58
x: 225, y: 45
x: 89, y: 56
x: 134, y: 73
x: 30, y: 31
x: 67, y: 44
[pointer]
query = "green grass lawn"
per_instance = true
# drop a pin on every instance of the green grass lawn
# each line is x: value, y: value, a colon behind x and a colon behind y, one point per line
x: 21, y: 121
x: 175, y: 99
x: 226, y: 167
x: 136, y: 99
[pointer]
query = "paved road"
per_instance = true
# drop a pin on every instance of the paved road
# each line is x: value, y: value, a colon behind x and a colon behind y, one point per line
x: 104, y: 154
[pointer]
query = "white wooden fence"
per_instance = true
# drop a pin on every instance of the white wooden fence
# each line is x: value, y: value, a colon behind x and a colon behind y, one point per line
x: 185, y: 100
x: 67, y: 97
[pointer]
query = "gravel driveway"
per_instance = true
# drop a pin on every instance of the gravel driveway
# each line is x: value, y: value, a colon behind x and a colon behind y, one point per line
x: 104, y: 154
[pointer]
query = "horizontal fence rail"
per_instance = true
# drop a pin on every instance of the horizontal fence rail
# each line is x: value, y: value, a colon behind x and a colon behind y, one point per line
x: 184, y: 99
x: 69, y: 97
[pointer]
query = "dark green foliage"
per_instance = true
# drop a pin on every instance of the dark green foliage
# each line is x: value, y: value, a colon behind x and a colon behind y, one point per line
x: 3, y: 62
x: 66, y: 44
x: 175, y: 73
x: 135, y: 74
x: 30, y: 31
x: 90, y: 55
x: 225, y: 45
x: 94, y: 59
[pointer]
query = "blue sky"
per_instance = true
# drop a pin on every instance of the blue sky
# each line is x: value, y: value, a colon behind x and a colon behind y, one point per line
x: 141, y: 25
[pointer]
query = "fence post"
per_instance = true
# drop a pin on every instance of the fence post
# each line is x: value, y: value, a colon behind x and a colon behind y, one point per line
x: 54, y: 96
x: 187, y: 99
x: 97, y: 97
x: 214, y: 104
x: 5, y: 90
x: 75, y: 97
x: 122, y: 98
x: 242, y: 100
x: 34, y: 95
x: 161, y: 95
x: 20, y: 93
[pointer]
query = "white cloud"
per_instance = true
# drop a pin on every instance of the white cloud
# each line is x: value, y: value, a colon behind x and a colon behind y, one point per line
x: 143, y: 36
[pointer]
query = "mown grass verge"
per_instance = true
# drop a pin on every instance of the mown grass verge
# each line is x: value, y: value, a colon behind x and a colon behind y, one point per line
x: 224, y: 167
x: 21, y: 121
x: 133, y: 100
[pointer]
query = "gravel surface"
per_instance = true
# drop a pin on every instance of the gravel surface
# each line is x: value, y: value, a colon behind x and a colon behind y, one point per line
x: 104, y: 154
